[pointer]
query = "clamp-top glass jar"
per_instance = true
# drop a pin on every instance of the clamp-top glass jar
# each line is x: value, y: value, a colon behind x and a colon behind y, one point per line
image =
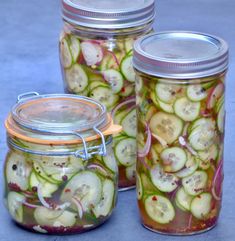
x: 60, y: 171
x: 96, y: 60
x: 180, y: 109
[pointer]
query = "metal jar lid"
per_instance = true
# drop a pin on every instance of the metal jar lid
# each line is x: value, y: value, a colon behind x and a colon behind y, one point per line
x: 180, y: 55
x: 108, y: 14
x: 61, y: 119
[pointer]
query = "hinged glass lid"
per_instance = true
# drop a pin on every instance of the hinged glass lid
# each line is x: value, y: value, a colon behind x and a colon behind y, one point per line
x: 59, y: 113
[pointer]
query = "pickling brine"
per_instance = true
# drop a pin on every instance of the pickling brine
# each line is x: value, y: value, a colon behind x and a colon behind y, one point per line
x: 96, y: 61
x: 181, y: 112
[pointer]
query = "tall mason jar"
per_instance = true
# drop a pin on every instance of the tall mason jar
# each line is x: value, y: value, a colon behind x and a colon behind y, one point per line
x: 96, y: 60
x: 60, y: 171
x: 180, y: 111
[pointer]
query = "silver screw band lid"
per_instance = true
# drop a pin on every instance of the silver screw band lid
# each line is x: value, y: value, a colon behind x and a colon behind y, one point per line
x: 180, y: 55
x: 108, y: 14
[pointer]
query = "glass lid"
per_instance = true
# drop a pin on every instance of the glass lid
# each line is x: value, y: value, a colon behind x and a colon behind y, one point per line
x: 59, y: 113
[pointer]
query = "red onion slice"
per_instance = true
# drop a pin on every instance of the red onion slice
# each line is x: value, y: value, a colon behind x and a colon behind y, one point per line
x: 216, y: 180
x: 79, y: 206
x: 128, y: 101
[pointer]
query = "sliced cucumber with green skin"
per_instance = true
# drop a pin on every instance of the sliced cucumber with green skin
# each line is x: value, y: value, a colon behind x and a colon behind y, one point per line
x: 129, y: 123
x: 186, y: 109
x: 220, y: 119
x: 54, y: 218
x: 85, y: 186
x: 127, y: 90
x: 165, y: 182
x: 18, y: 170
x: 125, y: 151
x: 167, y: 126
x: 109, y: 61
x: 119, y: 116
x: 167, y: 93
x: 103, y: 208
x: 196, y: 92
x: 66, y: 56
x: 219, y: 104
x: 110, y: 162
x: 92, y: 52
x: 47, y: 188
x: 138, y: 84
x: 164, y: 106
x: 195, y: 183
x: 75, y: 47
x: 201, y: 205
x: 95, y: 84
x: 76, y: 77
x: 191, y: 166
x: 114, y: 78
x: 139, y: 187
x: 159, y: 209
x: 173, y: 159
x: 127, y: 69
x: 180, y: 206
x: 131, y: 172
x: 184, y: 199
x: 202, y: 134
x: 129, y: 45
x: 15, y: 206
x: 207, y: 156
x: 104, y: 95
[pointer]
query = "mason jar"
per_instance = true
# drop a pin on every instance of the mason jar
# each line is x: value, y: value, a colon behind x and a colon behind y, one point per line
x: 96, y: 60
x: 180, y: 110
x: 60, y: 171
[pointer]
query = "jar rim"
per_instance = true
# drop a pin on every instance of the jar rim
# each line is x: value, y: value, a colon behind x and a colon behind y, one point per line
x: 180, y: 55
x: 78, y: 13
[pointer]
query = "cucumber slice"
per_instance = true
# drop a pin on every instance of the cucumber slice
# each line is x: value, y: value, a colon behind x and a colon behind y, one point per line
x: 104, y: 95
x: 114, y: 78
x: 173, y: 159
x: 165, y: 182
x: 76, y: 78
x: 109, y: 61
x: 191, y: 166
x: 163, y: 106
x: 167, y: 93
x: 202, y: 134
x: 125, y: 151
x: 139, y: 187
x: 92, y: 52
x: 47, y: 188
x: 127, y: 90
x: 95, y: 84
x: 220, y: 119
x: 119, y: 116
x: 86, y: 186
x: 219, y: 104
x: 184, y: 199
x: 196, y: 92
x: 186, y: 109
x: 180, y: 206
x: 159, y: 209
x: 15, y: 207
x: 110, y: 162
x: 131, y: 172
x: 54, y: 218
x: 65, y: 54
x: 75, y: 47
x: 103, y: 208
x: 195, y: 183
x: 18, y: 170
x: 207, y: 156
x: 127, y: 69
x: 167, y: 126
x: 129, y: 45
x: 201, y: 205
x: 138, y: 83
x: 129, y: 123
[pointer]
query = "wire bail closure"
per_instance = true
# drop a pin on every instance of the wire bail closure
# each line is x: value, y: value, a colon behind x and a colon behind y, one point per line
x: 26, y: 95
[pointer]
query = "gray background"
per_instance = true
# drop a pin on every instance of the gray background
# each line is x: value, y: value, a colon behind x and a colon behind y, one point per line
x: 29, y: 61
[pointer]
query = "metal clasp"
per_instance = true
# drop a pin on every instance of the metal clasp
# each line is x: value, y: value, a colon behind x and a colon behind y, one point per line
x: 88, y: 152
x: 26, y: 95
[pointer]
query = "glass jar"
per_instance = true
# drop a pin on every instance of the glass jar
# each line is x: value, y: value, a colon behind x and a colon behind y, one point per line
x: 180, y: 110
x: 96, y: 59
x: 60, y: 171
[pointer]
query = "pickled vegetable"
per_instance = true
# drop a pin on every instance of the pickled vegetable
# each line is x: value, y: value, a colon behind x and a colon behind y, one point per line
x: 179, y: 168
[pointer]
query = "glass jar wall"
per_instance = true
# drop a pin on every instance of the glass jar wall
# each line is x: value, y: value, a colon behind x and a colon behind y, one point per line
x: 96, y: 61
x: 180, y: 134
